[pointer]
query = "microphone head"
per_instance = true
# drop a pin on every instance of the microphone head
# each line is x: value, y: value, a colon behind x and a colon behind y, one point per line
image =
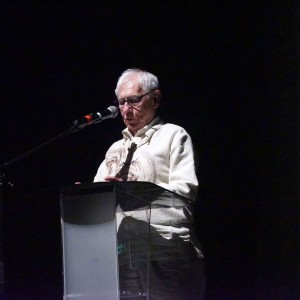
x: 114, y: 111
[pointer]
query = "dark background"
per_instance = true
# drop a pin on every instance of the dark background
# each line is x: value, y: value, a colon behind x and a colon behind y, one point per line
x: 228, y: 74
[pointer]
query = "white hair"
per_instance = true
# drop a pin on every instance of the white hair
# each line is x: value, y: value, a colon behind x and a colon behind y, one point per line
x: 147, y: 81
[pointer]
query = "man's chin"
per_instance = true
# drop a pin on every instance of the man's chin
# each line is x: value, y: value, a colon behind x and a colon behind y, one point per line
x: 130, y: 123
x: 132, y: 127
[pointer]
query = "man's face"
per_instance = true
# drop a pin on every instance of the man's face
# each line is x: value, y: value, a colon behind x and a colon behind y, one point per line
x: 136, y: 117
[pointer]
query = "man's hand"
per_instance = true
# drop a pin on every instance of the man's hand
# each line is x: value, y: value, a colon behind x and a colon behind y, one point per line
x: 112, y: 178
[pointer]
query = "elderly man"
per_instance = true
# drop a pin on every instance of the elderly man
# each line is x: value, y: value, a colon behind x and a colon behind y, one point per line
x: 161, y: 153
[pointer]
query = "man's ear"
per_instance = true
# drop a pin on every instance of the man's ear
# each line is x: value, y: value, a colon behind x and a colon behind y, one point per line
x: 156, y: 98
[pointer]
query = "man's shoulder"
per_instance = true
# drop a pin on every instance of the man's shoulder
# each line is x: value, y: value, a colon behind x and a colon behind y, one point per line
x: 170, y: 127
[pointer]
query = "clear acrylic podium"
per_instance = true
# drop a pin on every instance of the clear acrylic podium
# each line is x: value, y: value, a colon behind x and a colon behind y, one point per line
x: 101, y: 247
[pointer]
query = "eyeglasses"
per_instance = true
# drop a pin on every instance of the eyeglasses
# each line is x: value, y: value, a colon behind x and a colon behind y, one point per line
x: 132, y: 101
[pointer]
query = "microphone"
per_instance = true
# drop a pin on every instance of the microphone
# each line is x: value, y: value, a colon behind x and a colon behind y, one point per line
x: 93, y: 118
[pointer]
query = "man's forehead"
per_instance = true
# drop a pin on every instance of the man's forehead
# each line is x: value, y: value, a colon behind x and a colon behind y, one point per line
x: 131, y: 85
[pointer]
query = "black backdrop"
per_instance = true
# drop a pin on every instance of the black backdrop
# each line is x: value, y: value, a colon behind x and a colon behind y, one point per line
x: 228, y: 74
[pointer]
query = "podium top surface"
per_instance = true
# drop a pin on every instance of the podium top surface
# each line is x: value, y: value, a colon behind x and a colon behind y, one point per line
x: 147, y: 191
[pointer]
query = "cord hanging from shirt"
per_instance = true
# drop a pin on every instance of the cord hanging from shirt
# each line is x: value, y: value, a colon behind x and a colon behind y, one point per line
x: 123, y: 173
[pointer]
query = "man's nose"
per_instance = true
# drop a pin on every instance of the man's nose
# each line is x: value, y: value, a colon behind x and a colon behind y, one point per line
x: 127, y: 106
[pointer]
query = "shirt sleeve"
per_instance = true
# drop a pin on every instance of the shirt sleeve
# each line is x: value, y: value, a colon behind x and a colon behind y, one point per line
x: 101, y: 172
x: 182, y: 173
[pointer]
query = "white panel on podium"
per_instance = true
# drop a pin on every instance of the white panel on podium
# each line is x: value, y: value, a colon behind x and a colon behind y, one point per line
x: 90, y: 246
